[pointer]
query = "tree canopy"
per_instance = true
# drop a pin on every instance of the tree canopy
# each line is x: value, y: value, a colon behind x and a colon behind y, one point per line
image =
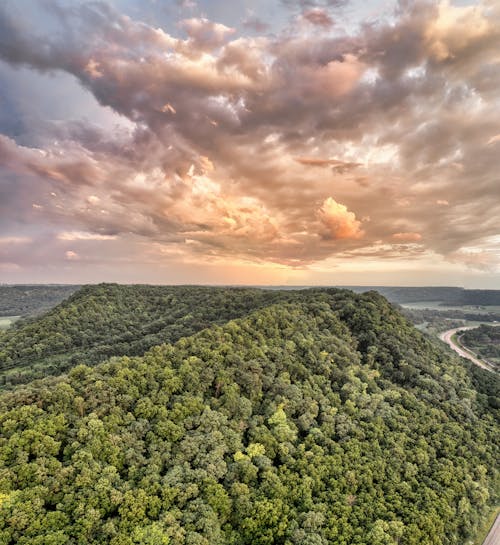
x: 321, y: 417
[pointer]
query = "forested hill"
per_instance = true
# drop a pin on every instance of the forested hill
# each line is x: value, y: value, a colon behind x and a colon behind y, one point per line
x: 100, y: 321
x: 325, y: 420
x: 106, y: 320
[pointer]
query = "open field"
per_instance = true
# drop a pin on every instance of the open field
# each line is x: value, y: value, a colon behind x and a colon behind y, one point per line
x: 7, y: 321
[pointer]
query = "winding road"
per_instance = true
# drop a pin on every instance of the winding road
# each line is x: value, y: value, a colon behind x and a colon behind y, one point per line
x: 493, y: 537
x: 447, y: 337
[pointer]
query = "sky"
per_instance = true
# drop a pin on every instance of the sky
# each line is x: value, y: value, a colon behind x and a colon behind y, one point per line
x: 290, y: 142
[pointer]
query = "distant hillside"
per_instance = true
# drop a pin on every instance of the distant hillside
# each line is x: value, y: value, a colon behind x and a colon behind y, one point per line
x: 326, y: 420
x: 446, y: 295
x: 25, y: 300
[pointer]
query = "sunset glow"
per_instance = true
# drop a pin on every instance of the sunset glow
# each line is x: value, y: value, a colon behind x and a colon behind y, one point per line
x: 287, y: 142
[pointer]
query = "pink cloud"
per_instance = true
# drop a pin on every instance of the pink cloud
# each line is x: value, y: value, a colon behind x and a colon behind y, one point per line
x: 338, y: 222
x: 318, y: 17
x: 333, y: 79
x: 70, y: 255
x: 206, y: 34
x: 407, y: 237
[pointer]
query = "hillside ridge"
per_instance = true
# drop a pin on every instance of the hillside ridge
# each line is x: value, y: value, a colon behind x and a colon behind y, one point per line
x: 314, y: 421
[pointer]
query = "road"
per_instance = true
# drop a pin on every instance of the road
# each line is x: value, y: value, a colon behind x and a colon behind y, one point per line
x: 447, y: 338
x: 493, y: 538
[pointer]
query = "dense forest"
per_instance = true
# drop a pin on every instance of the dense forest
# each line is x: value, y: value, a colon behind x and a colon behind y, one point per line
x: 321, y: 417
x: 112, y: 320
x: 484, y: 341
x: 97, y: 322
x: 106, y: 320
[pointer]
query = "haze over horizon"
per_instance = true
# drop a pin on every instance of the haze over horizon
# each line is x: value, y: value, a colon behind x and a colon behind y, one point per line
x: 294, y: 142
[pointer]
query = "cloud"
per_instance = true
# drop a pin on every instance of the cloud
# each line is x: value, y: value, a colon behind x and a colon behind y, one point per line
x: 493, y: 140
x: 9, y: 267
x: 71, y: 256
x: 314, y: 3
x: 474, y: 259
x: 318, y: 17
x: 205, y: 34
x: 168, y: 108
x: 80, y: 235
x: 231, y: 139
x: 254, y: 23
x: 338, y: 222
x: 335, y: 164
x: 407, y: 237
x: 92, y: 69
x: 93, y: 199
x: 187, y: 4
x: 458, y: 29
x: 14, y: 240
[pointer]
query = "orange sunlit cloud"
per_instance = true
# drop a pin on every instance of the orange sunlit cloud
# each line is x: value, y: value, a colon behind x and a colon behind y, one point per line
x: 339, y: 222
x: 407, y: 237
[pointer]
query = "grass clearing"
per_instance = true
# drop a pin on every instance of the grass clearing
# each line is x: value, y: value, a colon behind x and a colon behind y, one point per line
x: 7, y: 321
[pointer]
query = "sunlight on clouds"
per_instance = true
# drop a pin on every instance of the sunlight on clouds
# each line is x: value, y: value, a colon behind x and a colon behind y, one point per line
x: 168, y: 108
x: 335, y: 78
x: 292, y: 150
x: 80, y: 235
x: 92, y: 69
x: 455, y: 28
x: 407, y: 237
x: 368, y: 152
x: 70, y: 255
x: 338, y: 221
x: 493, y: 140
